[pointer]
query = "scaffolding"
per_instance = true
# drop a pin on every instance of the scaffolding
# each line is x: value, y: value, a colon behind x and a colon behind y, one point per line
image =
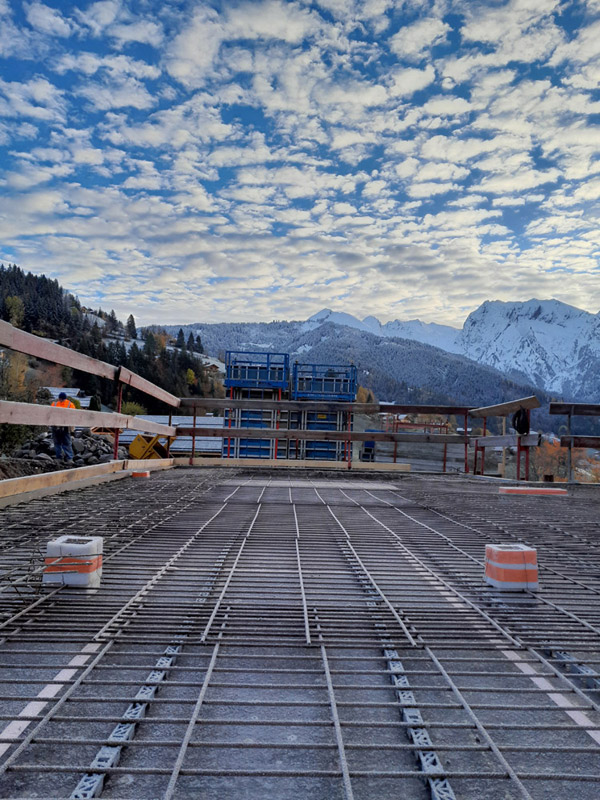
x: 255, y: 376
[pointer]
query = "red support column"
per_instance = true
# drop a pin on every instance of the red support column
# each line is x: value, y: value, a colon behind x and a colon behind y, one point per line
x: 519, y: 458
x: 445, y: 456
x: 466, y: 446
x: 119, y: 404
x: 527, y: 449
x: 475, y: 457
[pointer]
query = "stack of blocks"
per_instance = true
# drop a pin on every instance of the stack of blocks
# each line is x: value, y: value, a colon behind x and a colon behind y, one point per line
x: 511, y: 567
x: 74, y: 561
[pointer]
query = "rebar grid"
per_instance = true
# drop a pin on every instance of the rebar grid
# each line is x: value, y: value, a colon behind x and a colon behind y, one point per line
x: 324, y: 638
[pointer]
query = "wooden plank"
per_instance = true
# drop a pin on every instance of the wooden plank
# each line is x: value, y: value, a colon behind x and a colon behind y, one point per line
x: 36, y: 346
x: 576, y: 409
x: 533, y: 490
x: 190, y: 403
x: 580, y: 441
x: 321, y: 436
x: 50, y: 351
x: 148, y: 463
x: 45, y: 480
x: 505, y: 409
x: 30, y: 414
x: 291, y: 464
x: 131, y: 379
x: 509, y: 440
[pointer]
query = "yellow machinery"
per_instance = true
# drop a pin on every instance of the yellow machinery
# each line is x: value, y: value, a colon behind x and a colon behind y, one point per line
x: 144, y: 446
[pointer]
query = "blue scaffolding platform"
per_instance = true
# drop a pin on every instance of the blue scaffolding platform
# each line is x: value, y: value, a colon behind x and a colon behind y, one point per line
x: 324, y: 382
x: 256, y: 370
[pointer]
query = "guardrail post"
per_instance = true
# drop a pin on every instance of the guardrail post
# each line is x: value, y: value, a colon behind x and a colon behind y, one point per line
x: 117, y: 431
x: 570, y: 453
x: 193, y: 438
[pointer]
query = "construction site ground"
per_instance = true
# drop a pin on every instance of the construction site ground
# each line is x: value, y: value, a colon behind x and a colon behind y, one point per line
x: 326, y: 636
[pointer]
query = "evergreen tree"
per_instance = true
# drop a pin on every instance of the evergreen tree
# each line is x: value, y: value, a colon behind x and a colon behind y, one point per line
x: 180, y: 339
x: 198, y: 347
x: 130, y: 327
x: 191, y: 344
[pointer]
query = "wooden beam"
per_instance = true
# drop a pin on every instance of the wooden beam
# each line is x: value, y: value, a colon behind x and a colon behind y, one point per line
x: 46, y: 480
x: 576, y: 409
x: 32, y: 345
x: 30, y: 414
x: 36, y: 346
x: 291, y: 464
x: 129, y: 378
x: 505, y: 409
x: 191, y: 403
x: 509, y: 440
x: 580, y: 441
x: 320, y: 436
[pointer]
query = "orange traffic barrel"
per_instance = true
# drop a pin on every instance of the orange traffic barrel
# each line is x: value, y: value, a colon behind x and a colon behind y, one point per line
x: 549, y: 490
x: 141, y: 474
x: 511, y: 567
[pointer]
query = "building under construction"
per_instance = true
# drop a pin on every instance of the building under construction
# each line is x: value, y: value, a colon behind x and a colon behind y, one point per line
x: 283, y: 630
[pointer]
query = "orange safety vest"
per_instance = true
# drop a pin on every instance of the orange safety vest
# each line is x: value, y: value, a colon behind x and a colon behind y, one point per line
x: 64, y: 404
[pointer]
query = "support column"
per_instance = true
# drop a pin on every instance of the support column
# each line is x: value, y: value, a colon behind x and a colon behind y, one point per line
x: 193, y: 438
x: 570, y: 452
x: 117, y: 431
x: 527, y: 450
x: 466, y: 445
x: 483, y: 448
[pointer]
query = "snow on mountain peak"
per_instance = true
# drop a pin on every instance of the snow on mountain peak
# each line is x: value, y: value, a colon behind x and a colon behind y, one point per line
x: 555, y: 345
x: 547, y: 340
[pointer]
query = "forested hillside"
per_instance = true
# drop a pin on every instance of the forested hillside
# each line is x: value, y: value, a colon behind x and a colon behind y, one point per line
x: 41, y: 306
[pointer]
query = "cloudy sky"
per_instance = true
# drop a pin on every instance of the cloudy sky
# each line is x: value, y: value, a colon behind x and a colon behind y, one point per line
x: 220, y: 161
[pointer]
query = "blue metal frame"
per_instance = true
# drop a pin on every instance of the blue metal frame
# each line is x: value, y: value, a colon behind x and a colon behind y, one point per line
x: 324, y: 382
x: 257, y: 370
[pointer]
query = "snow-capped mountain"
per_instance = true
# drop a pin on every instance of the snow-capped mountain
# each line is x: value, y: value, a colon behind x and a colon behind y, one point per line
x: 442, y: 336
x: 542, y: 343
x: 555, y: 345
x: 551, y: 344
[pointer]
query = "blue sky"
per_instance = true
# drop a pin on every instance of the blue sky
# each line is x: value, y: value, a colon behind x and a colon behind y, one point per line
x: 204, y: 161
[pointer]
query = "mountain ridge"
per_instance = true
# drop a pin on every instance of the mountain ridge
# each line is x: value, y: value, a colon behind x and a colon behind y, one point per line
x: 546, y: 343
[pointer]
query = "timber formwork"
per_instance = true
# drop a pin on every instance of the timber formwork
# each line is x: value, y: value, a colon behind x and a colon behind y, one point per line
x: 309, y: 637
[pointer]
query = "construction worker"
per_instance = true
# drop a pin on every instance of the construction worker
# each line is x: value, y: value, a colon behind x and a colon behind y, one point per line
x: 62, y: 435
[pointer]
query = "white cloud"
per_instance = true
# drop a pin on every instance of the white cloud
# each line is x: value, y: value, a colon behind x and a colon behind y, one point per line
x: 447, y: 106
x: 123, y: 94
x: 408, y: 81
x: 115, y: 66
x: 413, y: 42
x: 271, y: 19
x: 47, y: 20
x: 190, y: 55
x: 98, y: 16
x: 37, y: 98
x: 429, y: 189
x: 144, y: 31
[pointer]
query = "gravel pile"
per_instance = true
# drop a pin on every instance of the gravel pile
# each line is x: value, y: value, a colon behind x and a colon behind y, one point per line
x: 88, y: 448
